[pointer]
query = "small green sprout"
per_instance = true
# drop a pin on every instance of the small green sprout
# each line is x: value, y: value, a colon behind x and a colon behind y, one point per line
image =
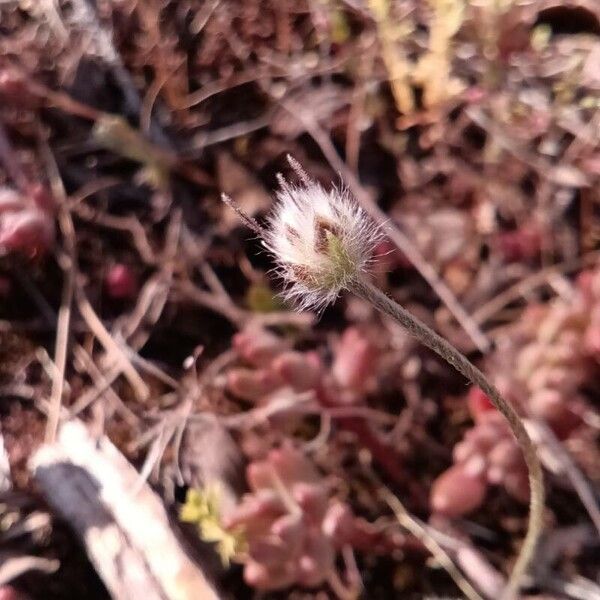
x: 202, y: 508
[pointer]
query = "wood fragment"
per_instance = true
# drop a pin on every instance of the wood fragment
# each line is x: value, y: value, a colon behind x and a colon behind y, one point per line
x: 122, y: 524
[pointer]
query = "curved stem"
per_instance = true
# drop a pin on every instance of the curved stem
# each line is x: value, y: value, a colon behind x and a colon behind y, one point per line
x: 432, y: 340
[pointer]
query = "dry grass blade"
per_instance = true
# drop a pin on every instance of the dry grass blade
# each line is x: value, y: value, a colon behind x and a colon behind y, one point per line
x: 524, y: 286
x: 68, y: 263
x: 16, y: 566
x: 568, y: 468
x: 62, y: 340
x: 416, y: 528
x: 113, y: 349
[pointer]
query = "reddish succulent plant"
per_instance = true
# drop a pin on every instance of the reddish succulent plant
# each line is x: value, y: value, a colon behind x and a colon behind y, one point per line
x: 26, y: 227
x: 521, y: 244
x: 273, y: 369
x: 120, y: 282
x: 292, y: 526
x: 273, y: 365
x: 543, y: 365
x: 14, y: 89
x: 487, y: 455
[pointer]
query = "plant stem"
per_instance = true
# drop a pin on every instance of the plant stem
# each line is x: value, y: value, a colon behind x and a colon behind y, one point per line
x: 432, y: 340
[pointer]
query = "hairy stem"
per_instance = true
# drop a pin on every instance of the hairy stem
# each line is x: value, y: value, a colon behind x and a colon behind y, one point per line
x: 432, y: 340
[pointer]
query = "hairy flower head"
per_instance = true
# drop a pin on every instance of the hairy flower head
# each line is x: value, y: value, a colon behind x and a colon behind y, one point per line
x: 322, y: 240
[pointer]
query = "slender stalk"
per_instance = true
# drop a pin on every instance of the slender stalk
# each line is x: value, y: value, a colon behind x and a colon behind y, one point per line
x: 410, y: 523
x: 432, y: 340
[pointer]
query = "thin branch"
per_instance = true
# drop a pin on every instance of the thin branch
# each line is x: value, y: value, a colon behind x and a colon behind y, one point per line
x: 213, y: 302
x: 100, y: 381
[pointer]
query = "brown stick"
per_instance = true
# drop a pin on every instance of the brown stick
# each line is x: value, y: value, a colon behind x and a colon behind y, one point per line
x: 122, y: 523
